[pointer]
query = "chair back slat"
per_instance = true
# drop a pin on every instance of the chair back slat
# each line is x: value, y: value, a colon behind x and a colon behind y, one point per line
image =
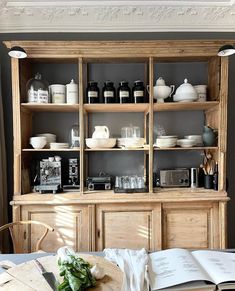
x: 16, y: 239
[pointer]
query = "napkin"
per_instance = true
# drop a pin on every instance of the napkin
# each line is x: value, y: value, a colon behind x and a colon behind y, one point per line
x: 133, y: 264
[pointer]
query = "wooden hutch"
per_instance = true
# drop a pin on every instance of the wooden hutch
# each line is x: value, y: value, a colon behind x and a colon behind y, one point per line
x: 91, y: 221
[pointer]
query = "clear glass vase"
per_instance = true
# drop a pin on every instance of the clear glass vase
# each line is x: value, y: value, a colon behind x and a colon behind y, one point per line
x: 74, y: 136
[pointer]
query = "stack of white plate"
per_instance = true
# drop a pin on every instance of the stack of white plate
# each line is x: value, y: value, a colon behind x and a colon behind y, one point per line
x: 166, y: 141
x: 131, y: 142
x: 59, y: 145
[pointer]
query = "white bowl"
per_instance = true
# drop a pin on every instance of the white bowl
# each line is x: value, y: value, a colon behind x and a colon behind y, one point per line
x: 185, y: 143
x: 93, y: 143
x: 38, y: 142
x: 196, y: 138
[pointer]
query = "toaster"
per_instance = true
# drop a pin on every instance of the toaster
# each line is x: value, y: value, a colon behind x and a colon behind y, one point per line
x: 178, y: 177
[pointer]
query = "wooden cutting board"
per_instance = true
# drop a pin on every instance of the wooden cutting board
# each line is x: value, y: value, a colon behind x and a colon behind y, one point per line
x: 28, y: 275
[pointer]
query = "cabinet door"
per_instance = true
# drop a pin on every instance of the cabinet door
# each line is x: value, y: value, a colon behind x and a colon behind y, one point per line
x: 128, y: 226
x: 190, y: 225
x: 70, y: 223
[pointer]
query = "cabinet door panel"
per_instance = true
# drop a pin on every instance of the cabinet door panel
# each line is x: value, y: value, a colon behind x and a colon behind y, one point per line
x: 69, y: 223
x: 189, y: 226
x: 130, y: 226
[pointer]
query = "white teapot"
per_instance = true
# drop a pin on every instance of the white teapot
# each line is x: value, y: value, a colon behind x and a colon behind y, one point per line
x: 101, y: 132
x: 161, y: 91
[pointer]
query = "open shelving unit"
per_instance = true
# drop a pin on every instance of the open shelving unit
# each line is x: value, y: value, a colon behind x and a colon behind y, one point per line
x: 166, y: 216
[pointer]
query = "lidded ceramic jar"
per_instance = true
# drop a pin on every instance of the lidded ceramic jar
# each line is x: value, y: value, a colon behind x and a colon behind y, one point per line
x: 72, y: 93
x: 185, y: 93
x: 37, y: 90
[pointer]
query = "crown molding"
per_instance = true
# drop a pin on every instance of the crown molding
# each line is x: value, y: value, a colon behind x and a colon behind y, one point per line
x: 117, y: 16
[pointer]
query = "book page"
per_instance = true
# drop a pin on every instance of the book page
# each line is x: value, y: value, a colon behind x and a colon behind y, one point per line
x: 172, y: 267
x: 219, y: 265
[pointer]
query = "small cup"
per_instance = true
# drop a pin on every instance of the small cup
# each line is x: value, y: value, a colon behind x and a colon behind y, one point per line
x: 51, y: 159
x: 57, y: 158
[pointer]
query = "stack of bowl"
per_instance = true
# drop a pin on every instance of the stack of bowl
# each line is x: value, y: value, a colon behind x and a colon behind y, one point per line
x: 166, y: 141
x: 196, y: 138
x: 50, y: 137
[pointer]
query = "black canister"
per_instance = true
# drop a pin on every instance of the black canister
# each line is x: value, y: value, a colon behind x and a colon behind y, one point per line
x: 108, y: 93
x: 124, y: 92
x: 92, y: 92
x: 138, y: 92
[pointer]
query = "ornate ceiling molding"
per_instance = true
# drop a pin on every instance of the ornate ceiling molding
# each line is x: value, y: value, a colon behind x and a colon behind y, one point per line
x: 116, y: 16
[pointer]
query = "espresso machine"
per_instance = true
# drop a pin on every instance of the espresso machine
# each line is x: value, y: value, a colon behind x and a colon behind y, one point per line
x: 50, y: 177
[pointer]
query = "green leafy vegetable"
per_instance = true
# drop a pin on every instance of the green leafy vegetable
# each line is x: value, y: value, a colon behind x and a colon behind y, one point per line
x: 76, y: 273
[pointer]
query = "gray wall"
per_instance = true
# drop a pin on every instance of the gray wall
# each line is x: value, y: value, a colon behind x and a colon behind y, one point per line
x: 6, y: 93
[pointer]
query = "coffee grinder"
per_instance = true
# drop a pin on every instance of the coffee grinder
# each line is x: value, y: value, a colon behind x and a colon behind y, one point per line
x: 73, y: 179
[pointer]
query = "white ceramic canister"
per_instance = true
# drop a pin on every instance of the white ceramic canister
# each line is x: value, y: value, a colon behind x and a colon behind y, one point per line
x: 201, y: 90
x: 57, y: 92
x: 72, y: 92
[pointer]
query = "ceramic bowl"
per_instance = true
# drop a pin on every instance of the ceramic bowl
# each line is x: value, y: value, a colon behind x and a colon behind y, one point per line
x: 93, y: 143
x: 38, y: 142
x: 196, y: 138
x: 185, y: 143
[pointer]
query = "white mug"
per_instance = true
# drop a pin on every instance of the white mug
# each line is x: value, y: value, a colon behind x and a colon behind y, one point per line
x: 57, y: 92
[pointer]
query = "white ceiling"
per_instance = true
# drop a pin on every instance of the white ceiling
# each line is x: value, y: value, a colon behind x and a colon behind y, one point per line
x: 116, y: 16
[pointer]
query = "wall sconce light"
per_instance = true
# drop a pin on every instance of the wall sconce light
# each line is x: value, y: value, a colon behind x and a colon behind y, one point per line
x: 226, y: 50
x: 17, y: 52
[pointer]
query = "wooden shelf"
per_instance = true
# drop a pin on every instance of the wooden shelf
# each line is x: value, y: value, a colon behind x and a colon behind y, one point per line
x: 50, y: 107
x: 51, y: 150
x: 114, y: 107
x: 116, y: 149
x: 178, y: 106
x: 183, y: 149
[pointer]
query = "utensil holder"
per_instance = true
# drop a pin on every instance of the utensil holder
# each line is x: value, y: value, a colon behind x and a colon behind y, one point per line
x: 208, y: 181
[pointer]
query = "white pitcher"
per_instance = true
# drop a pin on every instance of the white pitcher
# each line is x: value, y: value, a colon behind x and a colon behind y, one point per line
x: 101, y: 132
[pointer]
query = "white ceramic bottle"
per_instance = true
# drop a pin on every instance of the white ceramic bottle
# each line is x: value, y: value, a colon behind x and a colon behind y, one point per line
x: 72, y: 92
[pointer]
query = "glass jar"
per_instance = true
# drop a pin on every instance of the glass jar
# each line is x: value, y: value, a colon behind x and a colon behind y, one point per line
x: 37, y: 90
x: 108, y: 93
x: 74, y: 138
x: 93, y: 92
x: 138, y: 92
x: 124, y: 92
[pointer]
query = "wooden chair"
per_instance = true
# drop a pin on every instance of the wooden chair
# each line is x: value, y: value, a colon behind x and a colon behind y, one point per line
x: 15, y: 238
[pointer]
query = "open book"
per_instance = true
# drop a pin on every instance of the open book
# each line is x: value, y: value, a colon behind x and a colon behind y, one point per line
x: 180, y: 269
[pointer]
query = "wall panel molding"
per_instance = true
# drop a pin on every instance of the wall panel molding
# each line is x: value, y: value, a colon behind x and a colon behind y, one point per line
x: 117, y: 16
